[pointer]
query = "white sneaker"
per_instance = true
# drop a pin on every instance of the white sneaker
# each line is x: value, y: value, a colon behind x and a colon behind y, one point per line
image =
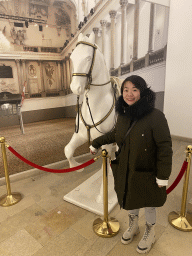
x: 132, y: 231
x: 147, y: 240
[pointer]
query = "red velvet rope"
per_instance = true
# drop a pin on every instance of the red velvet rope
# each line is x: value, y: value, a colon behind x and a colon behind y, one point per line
x: 175, y: 183
x: 48, y: 169
x: 179, y: 177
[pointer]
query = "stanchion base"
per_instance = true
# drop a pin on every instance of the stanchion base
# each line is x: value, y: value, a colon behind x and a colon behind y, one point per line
x: 12, y: 199
x: 179, y: 222
x: 106, y: 229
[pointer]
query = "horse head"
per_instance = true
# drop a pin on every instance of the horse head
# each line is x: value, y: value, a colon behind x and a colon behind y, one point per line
x: 83, y: 58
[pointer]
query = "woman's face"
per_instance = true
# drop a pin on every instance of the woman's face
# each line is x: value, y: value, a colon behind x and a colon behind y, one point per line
x: 130, y: 93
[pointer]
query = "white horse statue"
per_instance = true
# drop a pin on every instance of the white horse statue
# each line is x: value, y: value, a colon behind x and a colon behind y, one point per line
x: 91, y: 79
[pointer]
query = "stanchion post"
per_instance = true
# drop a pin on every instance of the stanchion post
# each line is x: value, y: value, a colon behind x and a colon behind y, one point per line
x: 183, y: 220
x: 10, y: 198
x: 108, y: 227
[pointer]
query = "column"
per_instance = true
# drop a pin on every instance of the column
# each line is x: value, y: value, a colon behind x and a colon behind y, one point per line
x: 151, y: 27
x: 66, y: 79
x: 64, y: 74
x: 123, y: 4
x: 24, y: 78
x: 103, y: 25
x: 68, y: 74
x: 43, y: 93
x: 70, y: 67
x: 136, y: 30
x: 96, y: 31
x: 19, y: 75
x: 112, y: 14
x: 59, y: 75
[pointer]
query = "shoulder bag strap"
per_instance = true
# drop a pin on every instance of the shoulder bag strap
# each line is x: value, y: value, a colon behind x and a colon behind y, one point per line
x: 130, y: 128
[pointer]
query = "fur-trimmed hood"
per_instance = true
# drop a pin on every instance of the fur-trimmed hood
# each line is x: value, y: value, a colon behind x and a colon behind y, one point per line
x: 140, y: 108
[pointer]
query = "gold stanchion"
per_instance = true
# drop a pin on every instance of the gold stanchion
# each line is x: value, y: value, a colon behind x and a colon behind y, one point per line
x: 183, y: 220
x: 108, y: 227
x: 10, y: 198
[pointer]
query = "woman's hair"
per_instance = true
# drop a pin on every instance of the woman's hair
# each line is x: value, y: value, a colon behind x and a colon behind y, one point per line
x: 138, y: 81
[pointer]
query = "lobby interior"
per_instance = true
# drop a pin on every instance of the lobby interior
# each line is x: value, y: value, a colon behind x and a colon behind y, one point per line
x: 43, y: 223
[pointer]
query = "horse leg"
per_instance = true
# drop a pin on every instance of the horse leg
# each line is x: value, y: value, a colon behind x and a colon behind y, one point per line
x: 99, y: 198
x: 69, y: 150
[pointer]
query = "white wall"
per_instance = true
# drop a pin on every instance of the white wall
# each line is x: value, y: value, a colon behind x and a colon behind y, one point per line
x: 178, y: 83
x: 50, y: 102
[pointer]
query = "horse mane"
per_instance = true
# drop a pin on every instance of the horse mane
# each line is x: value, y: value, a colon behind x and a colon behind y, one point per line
x: 116, y: 83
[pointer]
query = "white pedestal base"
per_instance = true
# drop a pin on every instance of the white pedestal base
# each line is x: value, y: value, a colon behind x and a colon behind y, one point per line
x: 86, y: 194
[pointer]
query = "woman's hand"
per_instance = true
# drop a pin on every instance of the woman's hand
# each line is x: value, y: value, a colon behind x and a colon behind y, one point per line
x: 93, y: 150
x: 93, y: 153
x: 160, y: 186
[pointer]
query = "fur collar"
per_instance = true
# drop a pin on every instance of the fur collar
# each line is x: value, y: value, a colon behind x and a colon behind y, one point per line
x: 140, y: 108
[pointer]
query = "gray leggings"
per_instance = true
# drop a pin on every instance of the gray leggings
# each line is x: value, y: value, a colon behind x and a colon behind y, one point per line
x: 150, y: 214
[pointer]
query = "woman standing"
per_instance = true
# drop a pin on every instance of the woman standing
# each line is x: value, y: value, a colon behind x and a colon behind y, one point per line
x: 145, y: 158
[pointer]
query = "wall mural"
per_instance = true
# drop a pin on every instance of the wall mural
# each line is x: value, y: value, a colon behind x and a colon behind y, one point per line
x: 33, y: 78
x: 59, y: 15
x: 32, y: 70
x: 39, y: 9
x: 62, y: 18
x: 49, y: 78
x: 18, y: 36
x: 8, y: 87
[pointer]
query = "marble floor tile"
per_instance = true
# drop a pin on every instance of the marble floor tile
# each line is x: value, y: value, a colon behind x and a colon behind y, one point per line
x: 102, y: 246
x: 19, y: 221
x: 26, y: 186
x: 55, y: 222
x: 48, y: 203
x: 20, y: 206
x: 5, y: 252
x: 83, y: 251
x: 21, y: 244
x: 174, y: 242
x: 85, y: 226
x: 130, y: 250
x: 50, y: 250
x: 69, y: 241
x: 3, y: 214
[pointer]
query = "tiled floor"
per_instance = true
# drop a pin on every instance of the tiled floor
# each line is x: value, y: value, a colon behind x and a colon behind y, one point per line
x: 43, y: 224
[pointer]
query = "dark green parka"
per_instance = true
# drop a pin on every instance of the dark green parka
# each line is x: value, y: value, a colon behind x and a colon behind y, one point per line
x: 145, y: 155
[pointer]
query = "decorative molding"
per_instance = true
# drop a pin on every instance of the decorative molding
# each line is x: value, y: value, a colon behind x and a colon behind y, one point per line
x: 123, y: 3
x: 103, y: 23
x: 96, y: 30
x: 112, y: 14
x: 8, y: 87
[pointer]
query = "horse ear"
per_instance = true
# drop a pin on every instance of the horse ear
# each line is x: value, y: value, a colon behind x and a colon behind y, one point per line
x: 92, y: 38
x: 80, y: 37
